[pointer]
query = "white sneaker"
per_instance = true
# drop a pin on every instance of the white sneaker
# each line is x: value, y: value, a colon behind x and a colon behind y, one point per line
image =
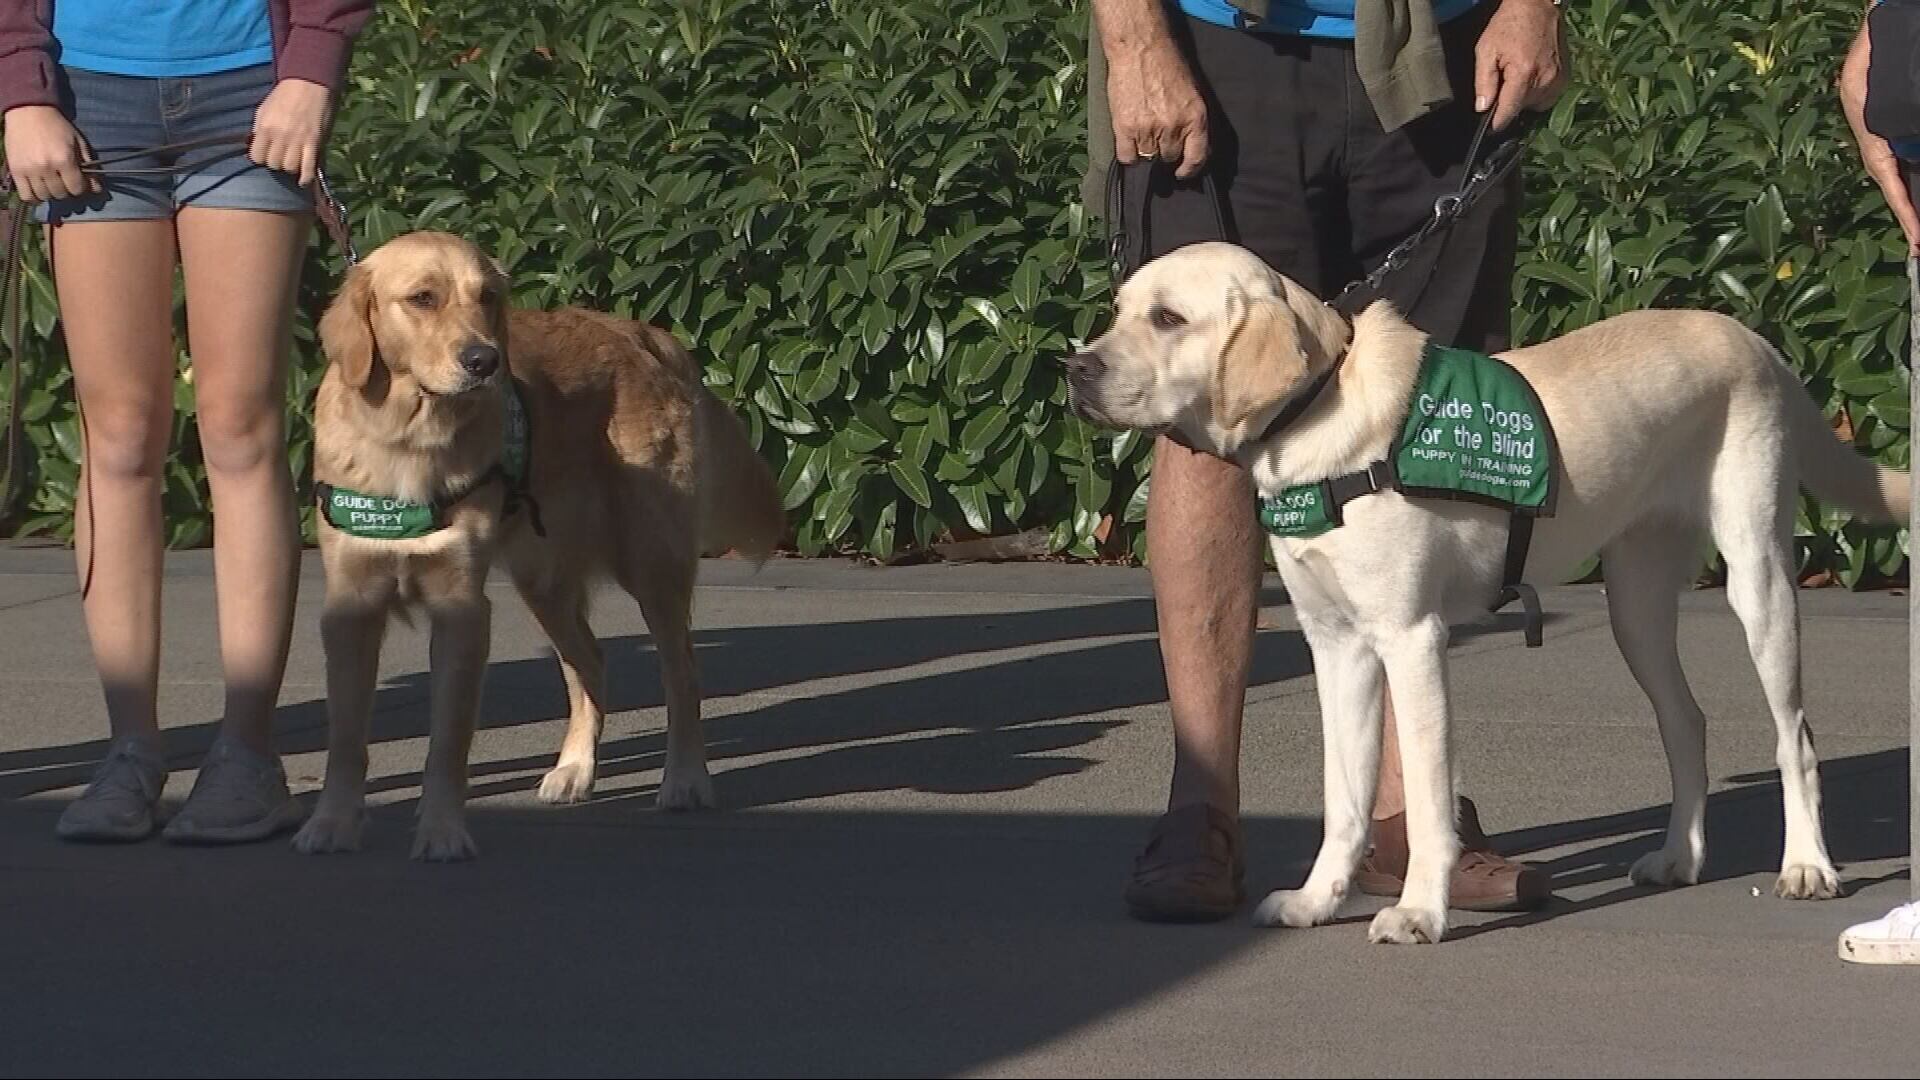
x: 119, y: 802
x: 1894, y: 938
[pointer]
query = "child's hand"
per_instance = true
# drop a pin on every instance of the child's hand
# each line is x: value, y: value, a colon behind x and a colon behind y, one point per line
x: 44, y: 153
x: 291, y: 127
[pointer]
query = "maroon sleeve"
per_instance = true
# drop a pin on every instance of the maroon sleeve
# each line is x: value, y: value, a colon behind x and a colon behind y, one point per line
x: 26, y: 59
x: 319, y: 38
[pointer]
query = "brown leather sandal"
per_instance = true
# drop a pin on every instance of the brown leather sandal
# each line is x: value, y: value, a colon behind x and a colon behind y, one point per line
x: 1191, y: 869
x: 1483, y: 880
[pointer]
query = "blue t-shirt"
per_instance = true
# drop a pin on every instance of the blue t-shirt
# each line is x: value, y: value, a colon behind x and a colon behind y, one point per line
x: 162, y: 38
x: 1313, y: 18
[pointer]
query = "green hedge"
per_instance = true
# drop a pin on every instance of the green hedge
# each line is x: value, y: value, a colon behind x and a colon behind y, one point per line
x: 865, y: 218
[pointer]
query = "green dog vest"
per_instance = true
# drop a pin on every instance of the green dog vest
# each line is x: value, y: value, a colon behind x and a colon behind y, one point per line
x: 383, y: 517
x: 1475, y: 431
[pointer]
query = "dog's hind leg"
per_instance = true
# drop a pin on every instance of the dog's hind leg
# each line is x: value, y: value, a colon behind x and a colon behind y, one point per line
x: 1348, y: 677
x: 1646, y: 568
x: 1754, y: 530
x: 660, y: 576
x: 561, y: 609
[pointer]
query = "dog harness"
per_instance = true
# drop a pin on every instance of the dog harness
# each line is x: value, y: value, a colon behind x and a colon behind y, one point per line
x: 1474, y: 431
x: 382, y: 517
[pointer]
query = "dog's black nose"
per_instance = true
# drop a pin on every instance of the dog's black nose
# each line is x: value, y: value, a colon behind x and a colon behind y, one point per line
x: 1085, y: 365
x: 479, y: 360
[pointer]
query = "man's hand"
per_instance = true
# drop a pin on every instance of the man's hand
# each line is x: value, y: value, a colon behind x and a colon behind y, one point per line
x: 1520, y: 61
x: 1874, y: 151
x: 44, y: 153
x: 1156, y: 105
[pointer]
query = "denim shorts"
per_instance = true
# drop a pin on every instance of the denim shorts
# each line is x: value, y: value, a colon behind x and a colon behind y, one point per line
x: 117, y: 114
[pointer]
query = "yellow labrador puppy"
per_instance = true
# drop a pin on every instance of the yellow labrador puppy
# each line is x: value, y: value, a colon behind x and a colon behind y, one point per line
x: 451, y: 430
x: 1670, y: 425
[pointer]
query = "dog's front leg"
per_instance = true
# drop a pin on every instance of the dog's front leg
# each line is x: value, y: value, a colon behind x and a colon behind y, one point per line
x: 462, y: 633
x: 351, y: 631
x: 1348, y: 677
x: 1416, y: 665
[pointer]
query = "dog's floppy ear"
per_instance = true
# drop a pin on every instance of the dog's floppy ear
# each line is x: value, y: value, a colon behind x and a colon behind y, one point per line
x: 346, y: 330
x: 1323, y: 333
x: 1255, y: 369
x: 1277, y: 342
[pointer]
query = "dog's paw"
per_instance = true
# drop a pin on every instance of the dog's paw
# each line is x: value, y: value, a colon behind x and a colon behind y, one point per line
x: 327, y: 832
x: 1402, y: 925
x: 443, y: 838
x: 567, y: 784
x: 1297, y: 908
x: 1666, y: 867
x: 688, y: 788
x: 1805, y: 881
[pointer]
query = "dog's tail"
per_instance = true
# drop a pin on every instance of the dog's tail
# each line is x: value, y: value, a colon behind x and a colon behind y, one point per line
x: 740, y: 503
x: 1837, y: 473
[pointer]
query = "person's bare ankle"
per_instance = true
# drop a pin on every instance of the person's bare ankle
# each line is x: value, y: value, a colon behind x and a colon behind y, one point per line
x: 255, y: 737
x: 1227, y: 802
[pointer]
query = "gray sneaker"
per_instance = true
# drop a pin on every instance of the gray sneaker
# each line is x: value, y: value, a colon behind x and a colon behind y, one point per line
x: 119, y: 801
x: 239, y: 797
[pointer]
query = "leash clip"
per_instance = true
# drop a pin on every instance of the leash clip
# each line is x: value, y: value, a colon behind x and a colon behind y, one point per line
x: 336, y: 214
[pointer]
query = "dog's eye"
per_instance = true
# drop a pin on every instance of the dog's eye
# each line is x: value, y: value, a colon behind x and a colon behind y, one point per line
x: 1167, y: 319
x: 423, y: 299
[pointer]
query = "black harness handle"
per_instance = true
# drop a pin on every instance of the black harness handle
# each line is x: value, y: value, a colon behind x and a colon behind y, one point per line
x: 1130, y: 233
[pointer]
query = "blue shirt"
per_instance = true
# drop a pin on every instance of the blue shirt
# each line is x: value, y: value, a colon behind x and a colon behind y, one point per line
x: 1313, y: 18
x: 162, y: 38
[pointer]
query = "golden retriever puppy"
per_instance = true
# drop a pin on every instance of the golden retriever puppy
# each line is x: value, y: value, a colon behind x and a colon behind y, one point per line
x: 451, y: 430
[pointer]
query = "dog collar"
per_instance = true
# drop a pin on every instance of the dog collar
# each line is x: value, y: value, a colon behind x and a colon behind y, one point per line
x: 1296, y: 408
x: 383, y: 517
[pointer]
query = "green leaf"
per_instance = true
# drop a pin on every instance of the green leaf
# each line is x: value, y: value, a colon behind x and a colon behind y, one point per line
x: 974, y: 507
x: 880, y: 249
x: 916, y: 444
x: 982, y: 429
x: 986, y: 309
x: 1026, y: 286
x: 912, y: 481
x: 876, y: 328
x: 802, y: 476
x: 818, y: 379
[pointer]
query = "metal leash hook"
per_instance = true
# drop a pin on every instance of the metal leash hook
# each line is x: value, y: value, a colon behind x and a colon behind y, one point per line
x: 334, y: 214
x: 1481, y: 173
